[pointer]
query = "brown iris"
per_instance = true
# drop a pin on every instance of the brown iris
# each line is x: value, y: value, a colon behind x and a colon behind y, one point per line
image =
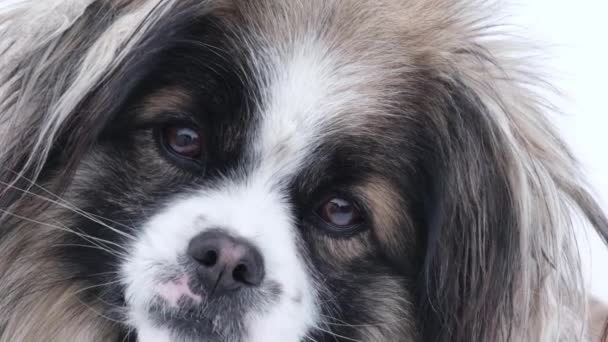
x: 184, y: 141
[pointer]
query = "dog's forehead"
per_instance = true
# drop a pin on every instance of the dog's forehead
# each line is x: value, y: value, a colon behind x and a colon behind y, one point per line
x: 310, y: 90
x: 306, y: 98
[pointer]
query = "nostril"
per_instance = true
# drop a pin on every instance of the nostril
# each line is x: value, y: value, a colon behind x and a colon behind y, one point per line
x: 209, y: 258
x: 240, y: 274
x: 225, y: 263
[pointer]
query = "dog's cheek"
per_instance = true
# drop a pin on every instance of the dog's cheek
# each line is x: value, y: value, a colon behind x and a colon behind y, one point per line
x: 367, y: 303
x: 391, y: 312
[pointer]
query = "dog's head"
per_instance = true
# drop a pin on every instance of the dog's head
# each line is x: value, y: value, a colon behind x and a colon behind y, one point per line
x: 288, y: 171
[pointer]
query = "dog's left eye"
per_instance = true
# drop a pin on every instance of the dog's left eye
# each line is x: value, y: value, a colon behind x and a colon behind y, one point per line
x: 340, y: 214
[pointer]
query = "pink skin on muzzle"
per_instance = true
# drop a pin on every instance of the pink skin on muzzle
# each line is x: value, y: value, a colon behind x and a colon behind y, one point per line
x: 172, y: 291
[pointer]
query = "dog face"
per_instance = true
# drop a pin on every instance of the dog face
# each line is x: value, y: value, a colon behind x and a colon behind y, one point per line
x: 268, y: 171
x: 260, y: 181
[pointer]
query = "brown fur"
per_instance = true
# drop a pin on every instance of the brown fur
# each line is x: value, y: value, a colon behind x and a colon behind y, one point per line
x: 166, y: 100
x: 387, y: 207
x: 49, y: 307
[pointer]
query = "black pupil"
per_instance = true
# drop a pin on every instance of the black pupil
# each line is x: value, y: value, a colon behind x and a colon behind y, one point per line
x: 340, y: 212
x: 185, y: 137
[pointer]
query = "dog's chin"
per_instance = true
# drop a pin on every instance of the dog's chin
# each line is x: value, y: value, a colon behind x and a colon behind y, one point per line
x: 196, y: 317
x: 191, y: 322
x: 192, y: 326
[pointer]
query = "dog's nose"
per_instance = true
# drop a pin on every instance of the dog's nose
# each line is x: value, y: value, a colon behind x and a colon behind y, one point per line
x: 226, y: 263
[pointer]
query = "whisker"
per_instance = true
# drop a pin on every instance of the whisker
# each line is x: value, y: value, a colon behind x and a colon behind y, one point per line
x: 105, y: 242
x: 95, y: 311
x: 309, y: 338
x: 110, y: 305
x: 345, y: 324
x: 130, y: 330
x: 103, y: 273
x: 84, y: 236
x: 96, y: 286
x: 115, y: 308
x: 114, y: 253
x: 337, y: 335
x: 66, y: 205
x: 87, y: 306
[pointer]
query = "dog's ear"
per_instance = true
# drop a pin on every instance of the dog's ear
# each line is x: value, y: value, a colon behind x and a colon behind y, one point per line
x: 498, y: 241
x: 473, y: 241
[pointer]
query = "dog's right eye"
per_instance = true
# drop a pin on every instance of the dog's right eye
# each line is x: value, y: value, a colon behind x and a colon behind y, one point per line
x: 184, y: 141
x: 183, y: 144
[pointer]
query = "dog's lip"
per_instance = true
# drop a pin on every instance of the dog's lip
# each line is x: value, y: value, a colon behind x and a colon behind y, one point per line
x: 182, y: 307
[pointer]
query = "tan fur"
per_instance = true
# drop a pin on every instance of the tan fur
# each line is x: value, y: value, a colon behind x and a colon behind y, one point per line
x: 38, y: 302
x: 341, y: 252
x: 387, y: 211
x: 57, y: 316
x: 163, y: 101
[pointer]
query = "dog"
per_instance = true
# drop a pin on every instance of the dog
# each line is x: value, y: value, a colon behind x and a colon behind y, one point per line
x: 283, y: 171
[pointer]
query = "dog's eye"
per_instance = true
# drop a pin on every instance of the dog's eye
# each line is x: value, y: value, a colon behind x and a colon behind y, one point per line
x: 340, y: 214
x: 184, y: 141
x: 184, y: 145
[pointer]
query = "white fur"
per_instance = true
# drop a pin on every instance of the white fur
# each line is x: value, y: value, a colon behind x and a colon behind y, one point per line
x: 147, y: 332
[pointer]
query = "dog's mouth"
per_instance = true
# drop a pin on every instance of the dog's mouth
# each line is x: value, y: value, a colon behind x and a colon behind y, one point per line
x: 189, y: 312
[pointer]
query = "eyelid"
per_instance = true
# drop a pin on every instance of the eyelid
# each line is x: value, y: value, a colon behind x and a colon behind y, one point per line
x: 164, y: 118
x: 346, y: 232
x: 354, y: 198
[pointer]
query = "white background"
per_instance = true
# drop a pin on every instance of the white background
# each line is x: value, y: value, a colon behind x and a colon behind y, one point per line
x: 575, y: 34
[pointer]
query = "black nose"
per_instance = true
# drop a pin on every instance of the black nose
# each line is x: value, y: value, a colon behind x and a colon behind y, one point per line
x: 226, y: 263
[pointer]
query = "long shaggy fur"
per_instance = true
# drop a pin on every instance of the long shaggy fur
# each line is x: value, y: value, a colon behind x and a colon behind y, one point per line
x: 500, y: 260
